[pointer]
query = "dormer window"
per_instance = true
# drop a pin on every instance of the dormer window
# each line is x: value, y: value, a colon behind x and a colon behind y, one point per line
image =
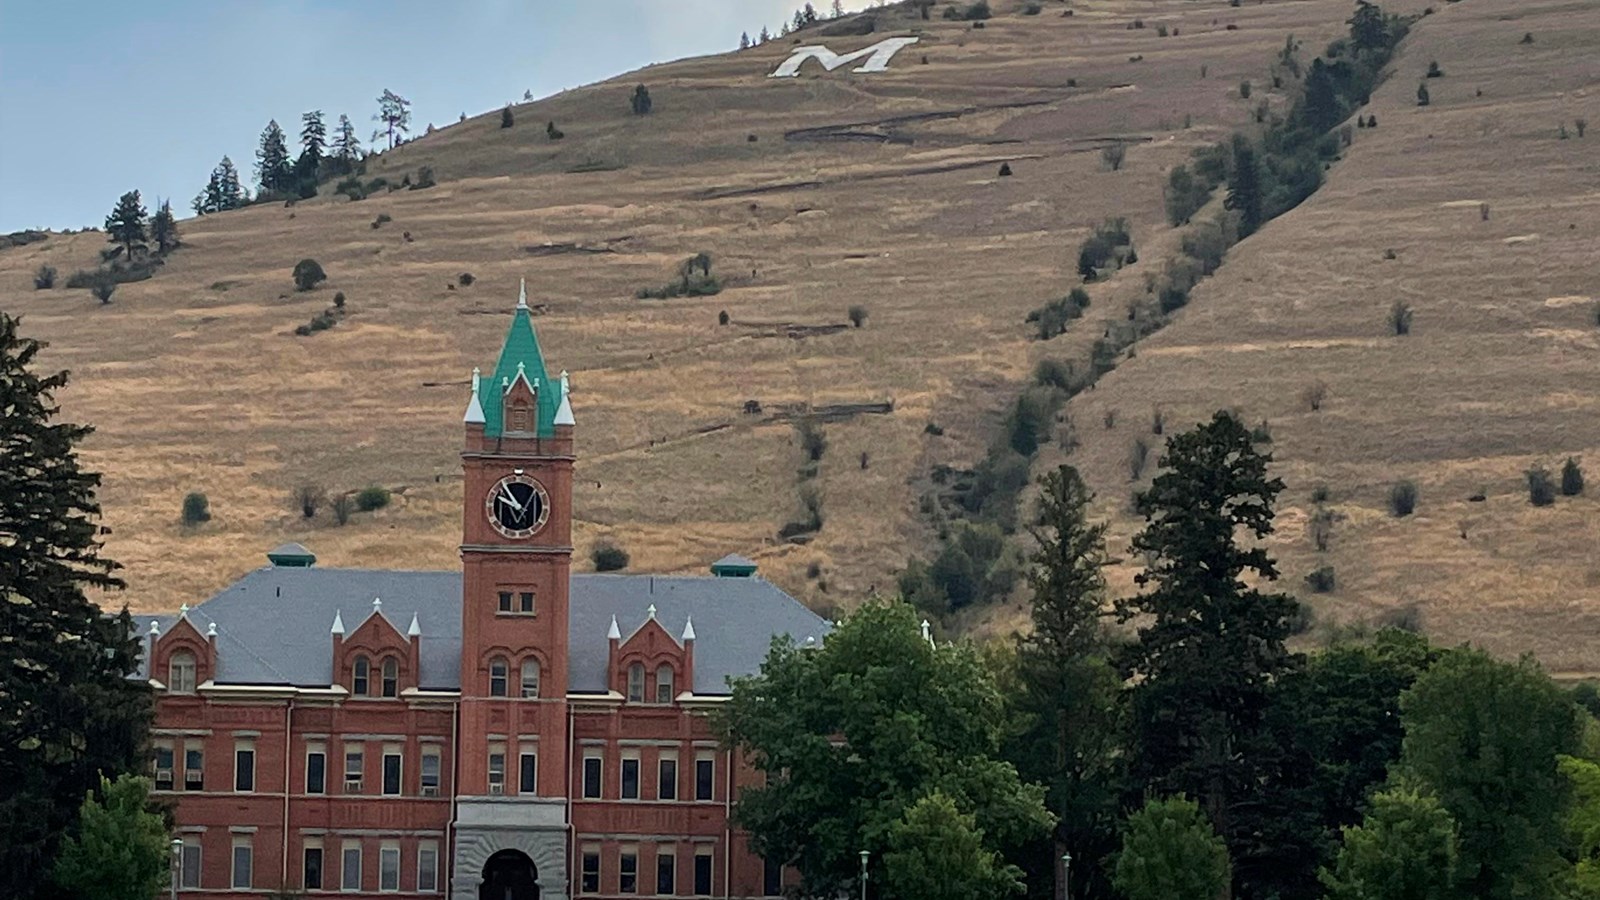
x: 664, y: 684
x: 636, y: 683
x: 361, y: 677
x: 180, y: 673
x: 391, y: 677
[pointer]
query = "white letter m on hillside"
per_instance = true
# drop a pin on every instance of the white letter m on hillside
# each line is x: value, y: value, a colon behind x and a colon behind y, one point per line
x: 878, y: 56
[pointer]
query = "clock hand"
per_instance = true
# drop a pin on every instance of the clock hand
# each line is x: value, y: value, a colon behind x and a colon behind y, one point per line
x: 505, y: 494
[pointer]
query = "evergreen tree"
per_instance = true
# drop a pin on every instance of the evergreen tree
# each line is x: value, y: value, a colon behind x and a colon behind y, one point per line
x: 68, y: 709
x: 118, y: 850
x: 1368, y: 29
x: 394, y: 113
x: 1485, y: 737
x: 764, y: 36
x: 838, y: 10
x: 1210, y: 647
x: 1170, y: 852
x: 1068, y: 735
x: 1405, y: 849
x: 641, y: 101
x: 164, y: 228
x: 126, y: 223
x: 506, y: 120
x: 1319, y: 106
x: 346, y: 146
x: 1244, y: 188
x: 274, y: 173
x: 744, y: 40
x: 231, y: 192
x: 313, y: 135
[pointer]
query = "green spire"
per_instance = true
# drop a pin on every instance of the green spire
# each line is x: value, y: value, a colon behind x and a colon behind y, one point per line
x: 520, y: 354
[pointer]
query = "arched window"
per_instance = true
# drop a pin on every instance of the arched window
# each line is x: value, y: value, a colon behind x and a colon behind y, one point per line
x: 391, y: 677
x: 180, y: 673
x: 664, y: 684
x: 530, y: 678
x: 636, y: 683
x: 361, y: 679
x: 498, y: 671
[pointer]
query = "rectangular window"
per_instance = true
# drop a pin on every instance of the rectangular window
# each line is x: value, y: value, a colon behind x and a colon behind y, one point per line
x: 666, y: 866
x: 591, y: 777
x: 702, y: 873
x: 430, y: 772
x: 771, y: 878
x: 528, y: 770
x: 630, y: 778
x: 427, y: 867
x: 591, y: 870
x: 505, y: 601
x: 628, y: 871
x: 244, y: 767
x: 704, y: 776
x: 243, y: 857
x: 664, y: 684
x: 497, y: 768
x: 190, y: 876
x: 317, y: 769
x: 391, y: 770
x: 350, y: 871
x: 164, y: 765
x: 525, y: 601
x: 354, y: 763
x: 667, y: 776
x: 312, y: 880
x: 194, y: 767
x: 389, y: 868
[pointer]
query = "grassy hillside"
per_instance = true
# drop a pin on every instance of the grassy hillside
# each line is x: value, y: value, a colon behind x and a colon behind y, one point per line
x: 837, y: 189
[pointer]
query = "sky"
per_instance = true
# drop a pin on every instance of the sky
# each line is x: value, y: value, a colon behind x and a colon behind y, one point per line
x: 100, y: 98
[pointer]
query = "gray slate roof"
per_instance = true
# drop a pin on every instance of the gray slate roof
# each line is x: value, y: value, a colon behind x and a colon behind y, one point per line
x: 273, y: 624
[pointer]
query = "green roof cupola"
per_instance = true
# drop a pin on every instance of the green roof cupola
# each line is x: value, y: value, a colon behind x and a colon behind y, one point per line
x: 520, y: 372
x: 733, y: 566
x: 291, y: 556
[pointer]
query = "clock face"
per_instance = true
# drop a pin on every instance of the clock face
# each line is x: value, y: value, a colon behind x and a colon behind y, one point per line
x: 517, y: 506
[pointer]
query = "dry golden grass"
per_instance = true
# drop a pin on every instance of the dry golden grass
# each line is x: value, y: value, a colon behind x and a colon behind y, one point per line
x: 197, y: 382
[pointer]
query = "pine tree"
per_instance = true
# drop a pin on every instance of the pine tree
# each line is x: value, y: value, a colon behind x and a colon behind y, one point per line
x: 274, y: 173
x: 313, y: 135
x: 838, y: 10
x: 346, y: 146
x: 164, y: 228
x: 764, y: 36
x: 744, y: 40
x: 1244, y: 188
x: 1368, y: 30
x: 394, y: 112
x: 68, y: 708
x: 1210, y: 647
x: 126, y: 223
x: 808, y: 15
x: 230, y: 190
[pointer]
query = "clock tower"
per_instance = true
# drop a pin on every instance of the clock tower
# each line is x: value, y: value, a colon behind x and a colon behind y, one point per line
x: 516, y: 558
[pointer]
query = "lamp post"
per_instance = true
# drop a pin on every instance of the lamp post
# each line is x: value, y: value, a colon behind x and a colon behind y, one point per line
x: 1066, y: 872
x: 177, y: 865
x: 864, y: 855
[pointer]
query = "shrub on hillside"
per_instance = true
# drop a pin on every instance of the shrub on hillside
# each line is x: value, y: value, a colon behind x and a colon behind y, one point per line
x: 641, y: 102
x: 1321, y: 579
x: 858, y: 315
x: 608, y: 557
x: 343, y: 506
x: 1400, y: 318
x: 308, y: 274
x: 1571, y: 478
x: 1113, y: 155
x: 381, y: 220
x: 1541, y: 486
x: 1138, y: 456
x: 308, y: 498
x: 1052, y: 318
x: 1055, y: 373
x: 506, y: 120
x: 813, y: 439
x: 103, y: 288
x: 552, y: 132
x: 45, y: 278
x: 372, y: 497
x: 1315, y: 395
x: 1434, y: 71
x: 694, y: 280
x: 974, y: 12
x: 424, y: 178
x: 1403, y: 499
x: 196, y: 508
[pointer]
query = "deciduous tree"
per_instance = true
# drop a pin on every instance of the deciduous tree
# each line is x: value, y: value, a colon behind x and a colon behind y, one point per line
x: 1405, y: 849
x: 68, y: 710
x: 118, y: 850
x: 1170, y: 852
x: 936, y: 852
x: 852, y: 734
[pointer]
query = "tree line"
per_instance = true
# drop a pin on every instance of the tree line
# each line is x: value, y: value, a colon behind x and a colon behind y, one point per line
x: 1169, y: 744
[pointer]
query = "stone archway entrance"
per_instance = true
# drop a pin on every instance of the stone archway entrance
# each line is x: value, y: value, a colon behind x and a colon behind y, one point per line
x: 509, y: 875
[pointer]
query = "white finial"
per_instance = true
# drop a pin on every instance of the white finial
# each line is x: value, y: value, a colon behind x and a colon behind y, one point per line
x: 154, y: 628
x: 614, y: 633
x: 416, y: 627
x: 377, y: 605
x: 522, y: 369
x: 810, y: 641
x: 338, y: 624
x: 522, y: 295
x: 927, y: 632
x: 564, y: 411
x: 650, y: 611
x: 211, y: 629
x: 183, y: 611
x: 474, y: 414
x: 688, y: 629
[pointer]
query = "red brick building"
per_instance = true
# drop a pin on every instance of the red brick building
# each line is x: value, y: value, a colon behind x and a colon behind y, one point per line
x: 508, y: 731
